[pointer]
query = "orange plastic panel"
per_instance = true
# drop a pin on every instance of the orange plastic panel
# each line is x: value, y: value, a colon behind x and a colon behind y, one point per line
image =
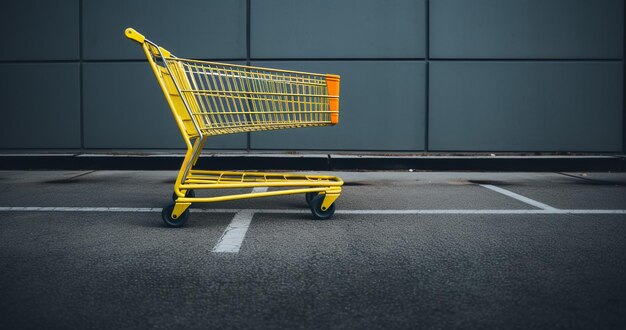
x: 332, y: 82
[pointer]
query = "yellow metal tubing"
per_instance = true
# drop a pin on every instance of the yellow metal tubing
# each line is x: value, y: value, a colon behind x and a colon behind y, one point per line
x: 157, y: 74
x: 134, y: 35
x: 259, y: 183
x: 197, y: 155
x: 183, y: 169
x: 315, y: 176
x: 138, y: 37
x: 258, y: 68
x: 250, y: 185
x: 247, y: 195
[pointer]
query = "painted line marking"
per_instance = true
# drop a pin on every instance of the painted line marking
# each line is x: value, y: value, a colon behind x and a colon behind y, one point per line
x: 233, y: 236
x: 305, y: 211
x: 79, y: 209
x: 519, y: 197
x: 259, y: 189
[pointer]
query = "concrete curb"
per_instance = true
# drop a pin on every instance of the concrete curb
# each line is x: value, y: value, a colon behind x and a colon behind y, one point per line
x: 319, y: 162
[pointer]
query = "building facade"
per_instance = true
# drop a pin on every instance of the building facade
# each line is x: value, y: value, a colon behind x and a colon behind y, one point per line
x: 417, y: 75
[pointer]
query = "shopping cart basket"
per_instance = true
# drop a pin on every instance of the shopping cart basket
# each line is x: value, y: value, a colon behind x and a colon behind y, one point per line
x: 208, y: 98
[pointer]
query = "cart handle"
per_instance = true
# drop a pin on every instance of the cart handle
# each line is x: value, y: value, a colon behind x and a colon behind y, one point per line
x: 138, y: 37
x: 134, y: 35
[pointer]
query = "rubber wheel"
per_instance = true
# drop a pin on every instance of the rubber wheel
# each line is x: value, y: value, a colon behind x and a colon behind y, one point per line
x: 309, y: 197
x: 189, y: 193
x: 316, y: 208
x: 166, y: 214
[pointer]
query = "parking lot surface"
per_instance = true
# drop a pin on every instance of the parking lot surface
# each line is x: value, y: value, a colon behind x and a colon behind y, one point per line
x: 87, y: 249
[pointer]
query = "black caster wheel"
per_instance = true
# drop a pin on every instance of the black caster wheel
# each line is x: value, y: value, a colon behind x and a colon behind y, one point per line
x: 166, y: 214
x: 316, y: 208
x: 309, y: 197
x: 189, y: 193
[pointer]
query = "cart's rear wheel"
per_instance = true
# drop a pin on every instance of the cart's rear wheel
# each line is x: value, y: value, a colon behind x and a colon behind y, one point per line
x: 166, y: 214
x: 189, y: 193
x: 309, y: 197
x: 316, y: 208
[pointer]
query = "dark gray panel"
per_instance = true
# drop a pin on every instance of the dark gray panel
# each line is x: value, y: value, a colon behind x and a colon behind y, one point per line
x: 125, y: 108
x: 526, y: 29
x: 526, y: 106
x: 194, y: 28
x: 39, y: 30
x: 381, y: 108
x: 337, y: 29
x: 40, y: 105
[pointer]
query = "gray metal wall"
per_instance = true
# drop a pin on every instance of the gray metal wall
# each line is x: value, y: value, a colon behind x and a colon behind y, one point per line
x: 436, y: 75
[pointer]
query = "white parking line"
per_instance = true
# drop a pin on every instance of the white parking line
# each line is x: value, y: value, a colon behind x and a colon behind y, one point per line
x: 306, y: 211
x: 233, y: 236
x: 519, y: 197
x: 78, y: 209
x: 235, y: 232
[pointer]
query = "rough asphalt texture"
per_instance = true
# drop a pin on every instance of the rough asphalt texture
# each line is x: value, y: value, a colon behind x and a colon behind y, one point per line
x: 125, y: 270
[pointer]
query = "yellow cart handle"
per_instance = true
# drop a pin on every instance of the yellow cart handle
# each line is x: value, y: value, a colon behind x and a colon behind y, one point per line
x: 134, y: 35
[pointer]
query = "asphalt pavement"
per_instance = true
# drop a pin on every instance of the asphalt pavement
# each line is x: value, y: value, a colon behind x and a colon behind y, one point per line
x: 88, y: 249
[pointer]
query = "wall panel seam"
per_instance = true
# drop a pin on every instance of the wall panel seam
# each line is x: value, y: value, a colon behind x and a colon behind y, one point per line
x: 427, y: 76
x: 80, y: 75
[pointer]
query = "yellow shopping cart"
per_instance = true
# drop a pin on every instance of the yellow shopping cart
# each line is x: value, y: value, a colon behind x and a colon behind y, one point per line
x: 209, y: 98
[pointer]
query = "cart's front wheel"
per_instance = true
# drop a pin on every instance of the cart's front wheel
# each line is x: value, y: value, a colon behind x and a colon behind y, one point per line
x: 316, y: 208
x: 189, y: 193
x: 166, y: 214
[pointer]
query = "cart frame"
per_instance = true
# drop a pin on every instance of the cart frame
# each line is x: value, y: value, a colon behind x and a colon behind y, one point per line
x: 321, y: 190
